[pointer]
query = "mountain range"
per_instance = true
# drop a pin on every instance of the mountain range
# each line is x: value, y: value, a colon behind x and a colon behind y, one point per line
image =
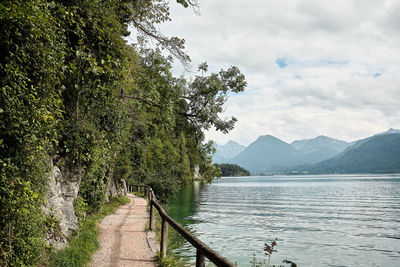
x: 267, y: 155
x: 225, y: 152
x: 377, y: 154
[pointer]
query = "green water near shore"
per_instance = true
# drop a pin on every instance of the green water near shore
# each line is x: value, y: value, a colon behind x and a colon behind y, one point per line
x: 185, y: 203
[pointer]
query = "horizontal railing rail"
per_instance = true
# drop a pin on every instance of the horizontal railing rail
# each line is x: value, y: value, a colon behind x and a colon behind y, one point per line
x: 202, y: 250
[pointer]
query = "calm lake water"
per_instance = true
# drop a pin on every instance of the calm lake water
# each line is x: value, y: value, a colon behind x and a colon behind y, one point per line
x: 326, y: 220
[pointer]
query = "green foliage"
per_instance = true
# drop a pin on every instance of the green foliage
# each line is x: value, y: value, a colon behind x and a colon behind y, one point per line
x: 84, y: 243
x: 184, y: 164
x: 206, y: 96
x: 256, y: 262
x: 167, y: 146
x: 31, y: 55
x: 92, y: 187
x: 71, y: 89
x: 232, y: 170
x: 171, y: 260
x: 81, y: 208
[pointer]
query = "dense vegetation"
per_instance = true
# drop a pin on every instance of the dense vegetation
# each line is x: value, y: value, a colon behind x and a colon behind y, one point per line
x: 232, y: 170
x: 74, y: 94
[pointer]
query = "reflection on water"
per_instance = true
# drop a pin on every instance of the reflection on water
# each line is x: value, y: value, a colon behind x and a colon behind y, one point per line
x: 318, y: 220
x: 185, y: 203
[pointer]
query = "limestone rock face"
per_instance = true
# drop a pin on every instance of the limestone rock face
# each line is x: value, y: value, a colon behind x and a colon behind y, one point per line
x: 124, y: 189
x: 113, y: 190
x: 197, y: 172
x: 62, y: 190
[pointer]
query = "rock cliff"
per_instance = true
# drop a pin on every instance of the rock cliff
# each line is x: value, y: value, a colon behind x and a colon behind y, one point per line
x: 63, y: 187
x: 62, y: 190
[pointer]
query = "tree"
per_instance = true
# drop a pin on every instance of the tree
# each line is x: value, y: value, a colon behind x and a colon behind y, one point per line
x: 31, y: 56
x: 184, y: 107
x: 147, y: 14
x: 232, y: 170
x: 205, y: 96
x: 184, y: 164
x: 75, y: 95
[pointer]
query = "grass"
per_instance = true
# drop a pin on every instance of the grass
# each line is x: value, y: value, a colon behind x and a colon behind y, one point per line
x: 174, y: 241
x: 84, y: 243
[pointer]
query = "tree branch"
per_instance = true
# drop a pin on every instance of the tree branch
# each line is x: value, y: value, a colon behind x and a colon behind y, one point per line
x: 147, y: 101
x: 170, y: 44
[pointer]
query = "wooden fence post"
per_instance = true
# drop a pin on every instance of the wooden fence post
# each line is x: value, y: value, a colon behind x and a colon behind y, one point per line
x: 151, y: 222
x: 200, y: 259
x: 164, y: 238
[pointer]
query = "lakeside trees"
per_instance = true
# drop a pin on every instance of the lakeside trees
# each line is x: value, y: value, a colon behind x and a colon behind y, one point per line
x: 75, y: 94
x: 232, y: 170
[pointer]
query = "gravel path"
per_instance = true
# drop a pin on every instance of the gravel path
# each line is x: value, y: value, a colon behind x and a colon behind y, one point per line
x: 123, y: 240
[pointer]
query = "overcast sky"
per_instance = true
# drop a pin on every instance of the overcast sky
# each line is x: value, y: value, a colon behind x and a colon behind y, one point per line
x: 313, y: 67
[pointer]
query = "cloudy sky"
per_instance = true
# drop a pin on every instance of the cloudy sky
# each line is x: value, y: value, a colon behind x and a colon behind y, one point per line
x: 313, y: 67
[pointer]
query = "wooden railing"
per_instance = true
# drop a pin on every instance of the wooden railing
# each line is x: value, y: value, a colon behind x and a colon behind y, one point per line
x: 202, y: 250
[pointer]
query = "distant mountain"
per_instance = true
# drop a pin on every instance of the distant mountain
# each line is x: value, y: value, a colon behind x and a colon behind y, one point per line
x: 319, y: 143
x: 269, y: 154
x: 266, y: 154
x: 361, y: 141
x: 225, y: 152
x: 376, y: 154
x: 390, y: 131
x: 318, y: 149
x: 322, y: 154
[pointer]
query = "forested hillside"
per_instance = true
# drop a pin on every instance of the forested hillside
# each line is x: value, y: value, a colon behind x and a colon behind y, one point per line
x: 232, y: 170
x: 80, y: 104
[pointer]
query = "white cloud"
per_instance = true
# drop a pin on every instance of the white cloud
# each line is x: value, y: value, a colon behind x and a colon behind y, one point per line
x: 342, y: 77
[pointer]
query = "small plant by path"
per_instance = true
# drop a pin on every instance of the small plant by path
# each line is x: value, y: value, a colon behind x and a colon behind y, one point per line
x: 268, y: 250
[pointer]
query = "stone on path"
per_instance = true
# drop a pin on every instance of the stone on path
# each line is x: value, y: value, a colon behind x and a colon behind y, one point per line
x: 123, y: 239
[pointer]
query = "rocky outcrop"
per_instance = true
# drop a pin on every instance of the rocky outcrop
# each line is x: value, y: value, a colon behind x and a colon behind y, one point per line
x: 196, y: 173
x: 62, y: 190
x: 113, y: 189
x: 124, y: 188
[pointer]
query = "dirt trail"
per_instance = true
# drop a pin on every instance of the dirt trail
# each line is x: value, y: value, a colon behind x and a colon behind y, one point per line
x: 123, y: 240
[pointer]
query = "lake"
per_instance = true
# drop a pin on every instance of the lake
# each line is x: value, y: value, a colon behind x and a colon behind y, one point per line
x: 319, y: 220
